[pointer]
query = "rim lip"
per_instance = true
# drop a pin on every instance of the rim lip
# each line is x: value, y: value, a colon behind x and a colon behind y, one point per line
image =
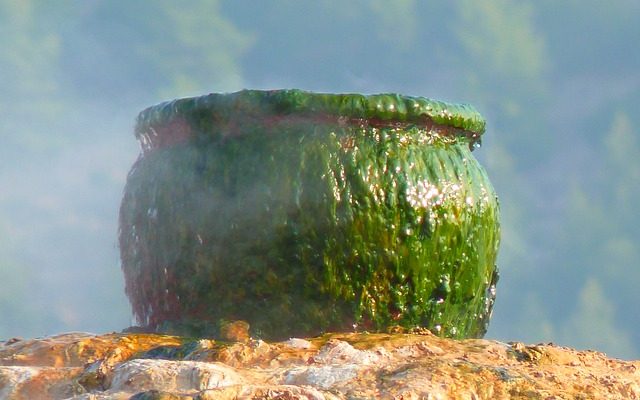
x: 385, y: 109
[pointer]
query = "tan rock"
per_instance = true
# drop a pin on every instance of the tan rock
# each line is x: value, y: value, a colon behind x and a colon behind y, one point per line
x: 172, y: 376
x: 21, y: 382
x: 334, y: 366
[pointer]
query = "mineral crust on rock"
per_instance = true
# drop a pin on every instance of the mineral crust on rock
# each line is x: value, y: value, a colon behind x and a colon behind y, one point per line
x: 334, y: 366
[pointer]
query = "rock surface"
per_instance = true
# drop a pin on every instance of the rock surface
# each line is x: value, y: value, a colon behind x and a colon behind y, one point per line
x: 335, y: 366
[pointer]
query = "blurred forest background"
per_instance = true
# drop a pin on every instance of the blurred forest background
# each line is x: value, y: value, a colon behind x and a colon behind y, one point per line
x: 559, y: 83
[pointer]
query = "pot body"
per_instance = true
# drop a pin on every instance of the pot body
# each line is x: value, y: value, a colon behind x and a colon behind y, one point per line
x: 301, y: 225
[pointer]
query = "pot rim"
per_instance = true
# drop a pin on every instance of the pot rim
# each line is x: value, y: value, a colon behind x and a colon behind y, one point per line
x: 378, y: 110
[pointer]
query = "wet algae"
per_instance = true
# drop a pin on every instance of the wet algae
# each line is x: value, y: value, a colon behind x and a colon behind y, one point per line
x: 302, y: 213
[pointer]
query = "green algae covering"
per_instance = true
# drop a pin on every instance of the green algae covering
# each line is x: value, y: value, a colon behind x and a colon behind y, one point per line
x: 302, y: 213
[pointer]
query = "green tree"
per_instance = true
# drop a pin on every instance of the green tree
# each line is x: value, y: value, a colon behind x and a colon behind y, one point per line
x: 598, y: 244
x: 148, y: 51
x: 590, y: 37
x: 330, y: 45
x: 16, y: 306
x: 594, y: 325
x: 502, y: 64
x: 28, y: 79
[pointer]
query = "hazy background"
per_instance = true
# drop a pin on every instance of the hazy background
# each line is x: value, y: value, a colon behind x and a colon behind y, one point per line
x: 559, y: 83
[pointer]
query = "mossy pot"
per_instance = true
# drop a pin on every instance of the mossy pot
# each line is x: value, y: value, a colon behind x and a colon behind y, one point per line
x: 302, y: 213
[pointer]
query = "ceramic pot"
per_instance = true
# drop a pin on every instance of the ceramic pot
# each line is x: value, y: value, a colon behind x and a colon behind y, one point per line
x: 301, y: 213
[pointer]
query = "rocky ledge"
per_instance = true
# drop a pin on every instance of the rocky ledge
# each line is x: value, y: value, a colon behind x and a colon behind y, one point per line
x: 334, y: 366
